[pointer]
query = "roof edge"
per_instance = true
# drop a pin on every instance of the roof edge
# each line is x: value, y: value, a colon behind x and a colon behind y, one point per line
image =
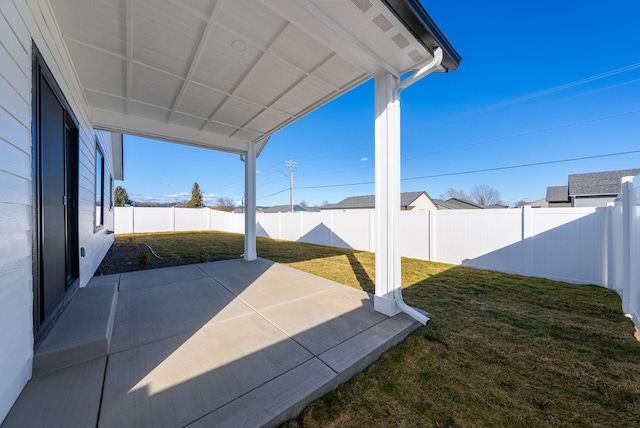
x: 413, y: 15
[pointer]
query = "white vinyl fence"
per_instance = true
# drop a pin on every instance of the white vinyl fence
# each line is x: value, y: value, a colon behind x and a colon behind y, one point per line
x: 558, y: 243
x: 598, y: 246
x: 624, y: 247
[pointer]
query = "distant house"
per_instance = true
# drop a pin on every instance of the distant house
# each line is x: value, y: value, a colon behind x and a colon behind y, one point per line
x: 464, y: 204
x: 284, y: 209
x: 441, y: 204
x: 558, y: 196
x: 593, y: 189
x: 539, y: 203
x: 417, y: 201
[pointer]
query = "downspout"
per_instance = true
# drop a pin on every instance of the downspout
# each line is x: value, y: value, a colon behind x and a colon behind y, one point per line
x: 243, y: 160
x: 417, y: 314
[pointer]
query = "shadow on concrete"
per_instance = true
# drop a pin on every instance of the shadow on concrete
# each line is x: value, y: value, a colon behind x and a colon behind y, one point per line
x: 230, y: 343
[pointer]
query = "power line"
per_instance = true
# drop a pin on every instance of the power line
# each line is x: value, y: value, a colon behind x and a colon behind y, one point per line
x: 273, y: 194
x: 543, y: 92
x: 313, y: 155
x: 524, y: 134
x: 499, y: 168
x: 337, y: 185
x: 525, y: 165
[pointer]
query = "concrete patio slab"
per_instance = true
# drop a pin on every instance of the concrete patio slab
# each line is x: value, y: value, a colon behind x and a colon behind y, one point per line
x: 232, y: 343
x: 357, y: 353
x: 66, y: 398
x: 151, y: 278
x: 261, y: 288
x: 277, y: 401
x: 153, y: 313
x: 172, y: 382
x: 324, y: 320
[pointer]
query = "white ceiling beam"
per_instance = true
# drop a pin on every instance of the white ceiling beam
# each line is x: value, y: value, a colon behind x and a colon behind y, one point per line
x: 128, y: 34
x: 196, y: 57
x: 338, y: 40
x: 159, y: 130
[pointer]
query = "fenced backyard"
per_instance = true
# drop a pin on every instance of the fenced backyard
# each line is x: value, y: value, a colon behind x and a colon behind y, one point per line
x: 599, y: 246
x: 501, y: 349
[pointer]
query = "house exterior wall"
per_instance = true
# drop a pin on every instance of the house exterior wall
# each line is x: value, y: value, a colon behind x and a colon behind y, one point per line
x: 22, y: 22
x: 422, y: 203
x: 592, y: 201
x: 559, y: 204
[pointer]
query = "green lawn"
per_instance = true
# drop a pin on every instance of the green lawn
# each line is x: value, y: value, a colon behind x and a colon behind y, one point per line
x: 501, y: 350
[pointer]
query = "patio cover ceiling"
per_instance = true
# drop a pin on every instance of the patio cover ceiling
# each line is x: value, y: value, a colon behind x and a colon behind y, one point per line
x: 226, y: 73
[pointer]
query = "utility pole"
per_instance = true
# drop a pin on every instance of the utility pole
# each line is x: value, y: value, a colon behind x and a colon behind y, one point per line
x: 291, y: 165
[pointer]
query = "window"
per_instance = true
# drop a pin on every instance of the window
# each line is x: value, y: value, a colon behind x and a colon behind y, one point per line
x: 99, y: 213
x: 110, y: 192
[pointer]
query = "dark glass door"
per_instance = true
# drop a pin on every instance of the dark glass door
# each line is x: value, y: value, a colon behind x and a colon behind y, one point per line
x: 53, y: 192
x: 55, y: 152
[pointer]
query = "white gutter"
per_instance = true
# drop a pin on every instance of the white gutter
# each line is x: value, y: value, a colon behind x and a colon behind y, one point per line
x: 423, y: 71
x: 417, y: 314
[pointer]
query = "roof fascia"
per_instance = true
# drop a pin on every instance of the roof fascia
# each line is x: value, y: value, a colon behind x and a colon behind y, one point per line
x: 415, y: 19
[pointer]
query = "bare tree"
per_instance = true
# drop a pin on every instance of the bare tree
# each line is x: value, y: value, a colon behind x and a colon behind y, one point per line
x: 455, y: 193
x: 224, y: 203
x: 303, y: 204
x: 484, y: 194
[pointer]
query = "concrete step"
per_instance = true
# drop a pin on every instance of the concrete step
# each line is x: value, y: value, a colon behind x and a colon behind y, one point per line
x: 83, y: 331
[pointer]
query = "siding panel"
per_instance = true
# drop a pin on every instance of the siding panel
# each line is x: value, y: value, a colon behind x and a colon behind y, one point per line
x: 22, y: 21
x: 12, y: 73
x: 15, y: 161
x: 14, y: 189
x: 20, y: 109
x: 13, y: 46
x: 16, y: 294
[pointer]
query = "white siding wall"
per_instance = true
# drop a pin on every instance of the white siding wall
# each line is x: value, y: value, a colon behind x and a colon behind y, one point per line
x: 96, y: 244
x: 21, y: 22
x: 16, y: 297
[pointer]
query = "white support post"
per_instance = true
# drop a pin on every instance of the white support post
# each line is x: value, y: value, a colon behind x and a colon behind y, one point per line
x: 250, y: 252
x: 627, y: 221
x: 387, y: 166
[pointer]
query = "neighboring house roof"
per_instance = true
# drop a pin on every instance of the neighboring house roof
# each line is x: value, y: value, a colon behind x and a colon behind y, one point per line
x: 558, y: 194
x: 283, y: 209
x: 605, y: 183
x: 353, y: 202
x: 444, y: 205
x: 464, y: 203
x: 598, y: 183
x: 369, y: 201
x: 240, y: 210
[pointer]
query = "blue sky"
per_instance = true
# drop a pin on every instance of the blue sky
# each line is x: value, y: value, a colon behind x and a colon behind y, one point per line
x: 539, y: 82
